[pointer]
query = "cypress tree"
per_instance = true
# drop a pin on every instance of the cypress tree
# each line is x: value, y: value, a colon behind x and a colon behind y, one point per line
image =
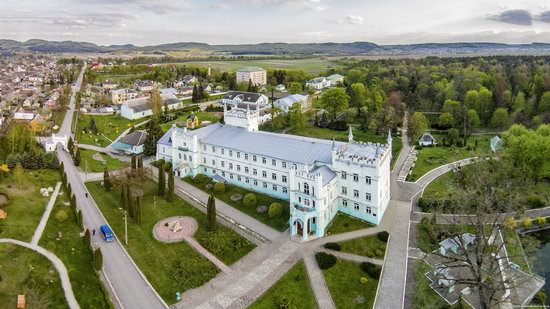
x: 162, y: 182
x: 79, y: 218
x: 64, y: 180
x: 195, y: 95
x: 107, y: 180
x: 70, y: 146
x: 76, y: 158
x: 129, y: 201
x: 250, y: 86
x: 133, y: 164
x: 170, y: 192
x: 62, y: 169
x: 87, y: 237
x: 137, y: 210
x: 73, y: 202
x: 123, y: 198
x: 69, y: 189
x: 211, y: 213
x: 140, y: 164
x: 98, y: 259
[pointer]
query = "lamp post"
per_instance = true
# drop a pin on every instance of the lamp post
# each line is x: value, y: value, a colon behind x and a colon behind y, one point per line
x: 126, y: 227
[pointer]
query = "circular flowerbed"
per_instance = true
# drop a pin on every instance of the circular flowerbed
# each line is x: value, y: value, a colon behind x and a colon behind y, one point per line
x: 236, y: 197
x: 174, y: 229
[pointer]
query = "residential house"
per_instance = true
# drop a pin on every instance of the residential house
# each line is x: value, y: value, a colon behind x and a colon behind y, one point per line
x: 258, y: 76
x: 335, y: 79
x: 140, y: 108
x: 237, y: 97
x: 120, y: 96
x: 133, y: 143
x: 189, y: 80
x: 280, y: 87
x: 317, y: 83
x: 144, y: 85
x: 286, y: 103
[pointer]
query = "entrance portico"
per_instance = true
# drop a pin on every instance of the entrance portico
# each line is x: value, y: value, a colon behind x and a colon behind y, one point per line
x: 304, y: 227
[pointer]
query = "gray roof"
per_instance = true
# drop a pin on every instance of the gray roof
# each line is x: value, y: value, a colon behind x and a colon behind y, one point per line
x: 135, y: 138
x: 246, y: 96
x: 326, y: 172
x: 427, y: 137
x: 291, y: 99
x: 250, y: 69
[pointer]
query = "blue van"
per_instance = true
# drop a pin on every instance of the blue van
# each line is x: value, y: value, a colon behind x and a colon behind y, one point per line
x: 106, y: 233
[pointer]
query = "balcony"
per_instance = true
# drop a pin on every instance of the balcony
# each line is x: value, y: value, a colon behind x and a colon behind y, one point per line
x: 183, y: 149
x: 304, y: 209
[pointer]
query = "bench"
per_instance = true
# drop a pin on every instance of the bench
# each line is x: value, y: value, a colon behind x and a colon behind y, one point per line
x: 59, y: 235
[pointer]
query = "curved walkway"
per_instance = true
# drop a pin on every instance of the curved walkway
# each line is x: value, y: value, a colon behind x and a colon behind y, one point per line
x: 59, y: 266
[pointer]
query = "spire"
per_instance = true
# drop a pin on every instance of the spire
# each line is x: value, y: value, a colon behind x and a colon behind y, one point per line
x: 350, y: 135
x: 389, y: 137
x: 224, y: 108
x: 333, y: 144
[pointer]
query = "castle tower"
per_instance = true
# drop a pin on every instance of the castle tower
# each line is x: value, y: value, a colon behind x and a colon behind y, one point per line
x: 389, y: 137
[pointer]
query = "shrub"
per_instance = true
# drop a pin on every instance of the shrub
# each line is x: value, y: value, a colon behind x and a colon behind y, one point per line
x: 50, y: 246
x: 250, y: 200
x: 364, y: 280
x: 527, y: 223
x: 383, y: 236
x: 338, y: 125
x: 379, y: 253
x: 299, y: 277
x: 325, y: 260
x: 333, y: 246
x: 219, y: 187
x: 61, y: 216
x: 275, y: 210
x: 540, y: 298
x: 371, y: 269
x: 370, y: 253
x: 200, y: 178
x: 167, y: 166
x: 541, y: 221
x: 534, y: 201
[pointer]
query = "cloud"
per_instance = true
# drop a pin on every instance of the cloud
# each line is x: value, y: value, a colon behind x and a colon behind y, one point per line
x: 351, y: 20
x: 544, y: 17
x: 315, y: 5
x: 66, y: 20
x: 159, y: 7
x: 516, y: 17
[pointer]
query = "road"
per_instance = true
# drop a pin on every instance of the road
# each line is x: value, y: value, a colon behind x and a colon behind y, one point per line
x: 131, y: 288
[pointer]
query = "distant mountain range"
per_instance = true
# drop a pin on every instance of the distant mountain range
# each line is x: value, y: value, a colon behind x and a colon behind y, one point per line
x: 355, y: 48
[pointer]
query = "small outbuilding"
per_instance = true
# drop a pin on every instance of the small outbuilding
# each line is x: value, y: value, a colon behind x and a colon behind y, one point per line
x: 427, y: 140
x: 132, y: 143
x: 192, y: 121
x: 495, y: 143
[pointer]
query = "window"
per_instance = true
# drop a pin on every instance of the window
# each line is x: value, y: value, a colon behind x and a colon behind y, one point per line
x: 284, y: 178
x: 238, y: 155
x: 204, y: 160
x: 246, y: 156
x: 204, y: 147
x: 356, y: 206
x: 239, y: 178
x: 273, y: 162
x: 274, y: 187
x: 306, y: 201
x: 255, y: 182
x: 246, y: 170
x: 264, y: 174
x: 230, y: 166
x: 356, y: 177
x: 306, y: 188
x: 254, y: 171
x: 284, y: 164
x: 223, y: 163
x: 368, y: 180
x: 213, y: 149
x: 264, y: 160
x: 190, y: 159
x: 313, y: 204
x: 223, y: 174
x: 179, y: 156
x: 230, y: 153
x: 355, y: 193
x: 265, y: 185
x: 285, y: 190
x: 295, y: 166
x: 213, y: 171
x: 368, y: 210
x: 223, y: 151
x: 345, y: 203
x: 274, y: 176
x: 368, y: 197
x: 205, y: 170
x: 344, y: 175
x: 254, y: 158
x: 344, y: 190
x: 238, y: 168
x: 213, y: 162
x: 247, y: 180
x: 231, y: 176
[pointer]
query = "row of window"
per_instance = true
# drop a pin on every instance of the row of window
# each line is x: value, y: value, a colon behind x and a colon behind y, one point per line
x: 230, y: 165
x: 368, y: 179
x: 368, y: 196
x: 247, y: 180
x: 246, y: 156
x: 356, y: 207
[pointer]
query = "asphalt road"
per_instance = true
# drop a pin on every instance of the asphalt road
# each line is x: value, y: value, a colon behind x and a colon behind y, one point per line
x: 129, y: 285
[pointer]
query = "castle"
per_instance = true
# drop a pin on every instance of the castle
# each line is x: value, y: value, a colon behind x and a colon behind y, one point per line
x: 318, y: 177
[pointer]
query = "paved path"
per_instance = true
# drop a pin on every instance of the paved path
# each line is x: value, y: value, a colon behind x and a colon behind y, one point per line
x: 318, y: 284
x: 200, y: 249
x: 59, y: 266
x: 68, y: 120
x: 42, y: 225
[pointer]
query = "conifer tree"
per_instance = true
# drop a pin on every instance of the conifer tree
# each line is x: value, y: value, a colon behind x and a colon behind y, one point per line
x: 107, y: 180
x: 140, y: 164
x: 137, y: 210
x: 76, y: 158
x: 123, y: 198
x: 161, y: 191
x: 70, y: 146
x: 133, y: 164
x: 98, y: 259
x: 211, y: 213
x: 170, y: 192
x: 73, y: 202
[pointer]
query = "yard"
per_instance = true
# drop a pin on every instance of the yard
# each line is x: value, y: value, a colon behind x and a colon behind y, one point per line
x: 345, y: 288
x: 182, y: 268
x: 343, y: 223
x: 429, y: 158
x: 279, y: 224
x: 27, y: 272
x: 369, y: 246
x: 294, y: 286
x: 26, y: 205
x: 424, y: 296
x: 109, y: 127
x: 181, y: 121
x: 91, y: 165
x: 515, y: 249
x: 76, y: 256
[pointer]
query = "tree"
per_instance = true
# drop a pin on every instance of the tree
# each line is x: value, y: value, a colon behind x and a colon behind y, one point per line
x: 295, y: 87
x: 195, y: 94
x: 61, y: 216
x: 485, y: 104
x: 417, y: 125
x: 155, y: 103
x: 98, y: 259
x: 249, y: 200
x: 211, y: 213
x: 275, y: 210
x: 133, y: 165
x: 123, y: 198
x: 528, y: 150
x: 76, y: 158
x: 472, y: 100
x: 358, y: 97
x: 92, y: 126
x: 354, y: 76
x: 70, y: 146
x: 154, y: 133
x: 107, y: 184
x: 140, y: 165
x: 500, y: 119
x: 453, y: 136
x: 446, y: 120
x: 161, y: 190
x: 453, y: 107
x: 519, y: 102
x: 18, y: 171
x: 170, y: 191
x: 297, y: 119
x: 544, y: 103
x: 335, y: 100
x: 201, y: 93
x: 137, y: 211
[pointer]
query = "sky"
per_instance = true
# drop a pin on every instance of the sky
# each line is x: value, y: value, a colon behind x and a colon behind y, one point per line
x: 151, y: 22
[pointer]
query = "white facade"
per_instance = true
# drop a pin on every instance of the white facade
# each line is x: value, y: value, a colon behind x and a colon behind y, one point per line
x: 258, y: 76
x: 317, y: 177
x: 123, y: 95
x: 50, y: 144
x: 317, y: 83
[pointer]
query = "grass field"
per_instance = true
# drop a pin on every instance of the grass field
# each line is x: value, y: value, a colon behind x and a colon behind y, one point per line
x: 76, y: 256
x: 26, y: 204
x: 369, y: 246
x: 91, y: 165
x: 424, y: 296
x: 182, y: 268
x: 345, y: 288
x: 294, y: 285
x: 109, y: 127
x: 27, y: 272
x: 313, y: 66
x: 181, y: 121
x: 343, y: 223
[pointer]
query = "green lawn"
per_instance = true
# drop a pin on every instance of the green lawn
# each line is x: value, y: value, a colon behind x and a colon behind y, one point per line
x: 294, y: 285
x: 92, y: 165
x: 343, y: 283
x: 27, y: 272
x: 429, y: 158
x: 110, y: 127
x: 181, y: 267
x: 369, y: 246
x: 26, y: 204
x: 181, y: 121
x: 358, y: 135
x: 76, y: 256
x: 343, y: 223
x: 424, y: 296
x: 280, y: 224
x: 515, y: 249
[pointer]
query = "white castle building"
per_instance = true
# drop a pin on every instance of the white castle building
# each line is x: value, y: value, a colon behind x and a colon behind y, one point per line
x: 318, y: 177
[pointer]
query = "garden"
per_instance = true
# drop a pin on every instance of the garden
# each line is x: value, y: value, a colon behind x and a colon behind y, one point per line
x: 101, y: 130
x: 182, y: 267
x: 95, y: 162
x: 343, y: 223
x: 266, y: 209
x: 22, y: 201
x: 293, y: 290
x: 25, y: 272
x: 373, y: 246
x: 181, y: 120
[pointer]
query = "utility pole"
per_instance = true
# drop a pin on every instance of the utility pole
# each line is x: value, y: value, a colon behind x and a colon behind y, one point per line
x: 126, y: 227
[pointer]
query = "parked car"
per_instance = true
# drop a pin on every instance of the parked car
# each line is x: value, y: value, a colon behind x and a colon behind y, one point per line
x: 106, y: 233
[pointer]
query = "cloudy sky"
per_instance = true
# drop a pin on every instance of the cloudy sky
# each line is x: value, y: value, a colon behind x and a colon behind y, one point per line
x: 147, y: 22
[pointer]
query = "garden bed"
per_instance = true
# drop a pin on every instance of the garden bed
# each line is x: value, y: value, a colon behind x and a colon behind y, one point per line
x: 343, y: 281
x: 343, y: 223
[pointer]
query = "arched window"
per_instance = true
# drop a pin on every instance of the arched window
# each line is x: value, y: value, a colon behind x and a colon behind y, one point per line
x: 184, y: 157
